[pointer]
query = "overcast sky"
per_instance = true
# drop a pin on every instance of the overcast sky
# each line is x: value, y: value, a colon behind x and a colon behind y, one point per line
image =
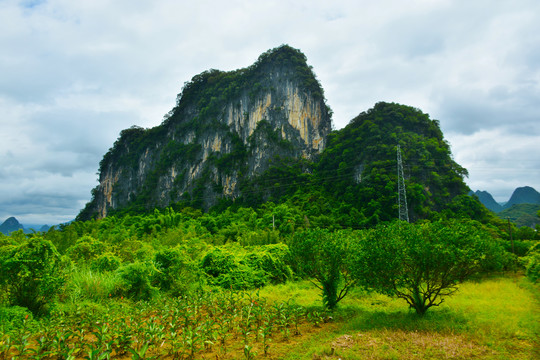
x: 73, y: 74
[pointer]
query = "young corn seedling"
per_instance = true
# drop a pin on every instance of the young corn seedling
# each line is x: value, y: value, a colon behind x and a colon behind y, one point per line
x: 97, y: 354
x: 249, y: 354
x: 297, y: 316
x: 140, y: 352
x: 123, y: 340
x: 21, y: 343
x: 191, y: 341
x: 5, y: 346
x: 42, y: 348
x: 266, y: 332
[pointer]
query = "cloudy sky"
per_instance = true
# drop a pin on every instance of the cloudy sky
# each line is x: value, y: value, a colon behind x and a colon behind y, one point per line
x: 73, y: 74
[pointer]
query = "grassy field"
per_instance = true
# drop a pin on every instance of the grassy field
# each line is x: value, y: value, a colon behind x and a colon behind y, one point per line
x: 493, y: 318
x: 496, y: 318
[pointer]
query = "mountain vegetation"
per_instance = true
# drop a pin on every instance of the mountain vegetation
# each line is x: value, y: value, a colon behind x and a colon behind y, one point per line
x: 239, y: 229
x: 522, y: 214
x: 225, y: 128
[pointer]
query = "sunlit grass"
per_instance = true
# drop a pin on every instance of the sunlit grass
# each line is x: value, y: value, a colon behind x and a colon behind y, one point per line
x: 497, y: 318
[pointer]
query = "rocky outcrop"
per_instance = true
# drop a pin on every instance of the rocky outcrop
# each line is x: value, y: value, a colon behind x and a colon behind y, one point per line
x: 224, y: 129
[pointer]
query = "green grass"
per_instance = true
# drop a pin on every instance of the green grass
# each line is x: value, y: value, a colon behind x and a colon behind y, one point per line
x: 85, y: 284
x: 492, y: 318
x: 497, y: 318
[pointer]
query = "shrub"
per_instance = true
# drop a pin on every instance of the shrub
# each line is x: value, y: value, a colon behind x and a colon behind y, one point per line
x: 31, y: 273
x: 322, y: 255
x: 532, y: 263
x: 13, y: 317
x: 134, y: 281
x: 241, y: 269
x: 175, y: 272
x: 106, y: 262
x: 86, y: 249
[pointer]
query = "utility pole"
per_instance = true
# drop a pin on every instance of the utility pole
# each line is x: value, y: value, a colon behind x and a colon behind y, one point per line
x: 402, y: 193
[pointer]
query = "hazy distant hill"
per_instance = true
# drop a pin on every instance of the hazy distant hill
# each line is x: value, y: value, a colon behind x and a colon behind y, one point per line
x: 522, y: 214
x: 488, y: 200
x: 521, y: 208
x: 11, y: 224
x: 523, y: 195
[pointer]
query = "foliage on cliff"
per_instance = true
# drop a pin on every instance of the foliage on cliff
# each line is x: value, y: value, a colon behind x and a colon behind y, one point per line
x: 209, y: 142
x: 360, y: 163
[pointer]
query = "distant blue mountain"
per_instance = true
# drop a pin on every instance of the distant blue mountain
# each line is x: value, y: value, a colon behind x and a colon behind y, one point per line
x: 488, y: 200
x: 523, y: 195
x: 12, y: 224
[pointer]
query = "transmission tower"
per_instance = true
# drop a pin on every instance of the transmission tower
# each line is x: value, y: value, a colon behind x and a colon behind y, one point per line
x: 402, y: 193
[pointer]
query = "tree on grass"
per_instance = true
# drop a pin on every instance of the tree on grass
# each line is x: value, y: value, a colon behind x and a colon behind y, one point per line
x: 423, y: 263
x: 322, y: 255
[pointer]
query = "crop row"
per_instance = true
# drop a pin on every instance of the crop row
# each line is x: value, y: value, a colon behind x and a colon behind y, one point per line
x: 180, y: 328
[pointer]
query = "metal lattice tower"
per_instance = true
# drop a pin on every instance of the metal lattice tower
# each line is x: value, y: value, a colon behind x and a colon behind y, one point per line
x: 402, y: 193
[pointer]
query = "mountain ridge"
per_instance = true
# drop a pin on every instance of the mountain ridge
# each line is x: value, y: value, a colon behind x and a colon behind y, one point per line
x: 520, y: 195
x: 225, y: 127
x: 263, y: 133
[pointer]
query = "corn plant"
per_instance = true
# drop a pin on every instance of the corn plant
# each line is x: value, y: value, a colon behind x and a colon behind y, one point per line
x: 139, y: 353
x: 42, y: 348
x: 249, y: 354
x: 5, y: 346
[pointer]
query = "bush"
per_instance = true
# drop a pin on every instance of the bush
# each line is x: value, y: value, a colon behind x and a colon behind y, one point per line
x: 242, y: 270
x: 134, y: 281
x: 271, y: 259
x: 532, y: 263
x: 86, y: 249
x: 106, y: 262
x: 176, y: 272
x: 323, y: 255
x: 14, y: 317
x: 31, y: 273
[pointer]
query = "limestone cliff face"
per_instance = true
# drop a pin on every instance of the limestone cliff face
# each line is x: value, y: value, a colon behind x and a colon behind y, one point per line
x: 225, y: 128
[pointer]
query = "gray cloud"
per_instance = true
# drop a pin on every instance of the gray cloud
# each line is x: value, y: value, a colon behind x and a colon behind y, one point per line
x: 74, y: 74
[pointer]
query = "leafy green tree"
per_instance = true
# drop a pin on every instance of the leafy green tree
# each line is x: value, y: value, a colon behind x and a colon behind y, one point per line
x: 31, y: 273
x: 322, y: 255
x: 423, y: 263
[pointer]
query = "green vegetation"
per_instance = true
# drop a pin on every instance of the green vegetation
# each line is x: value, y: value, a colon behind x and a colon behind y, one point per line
x: 303, y: 261
x: 522, y: 215
x: 323, y: 256
x: 424, y: 263
x: 271, y: 281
